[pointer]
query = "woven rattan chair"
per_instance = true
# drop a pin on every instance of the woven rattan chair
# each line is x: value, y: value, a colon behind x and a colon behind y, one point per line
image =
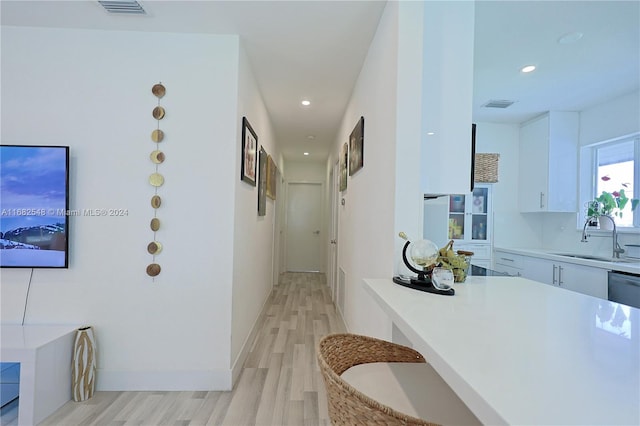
x: 347, y: 405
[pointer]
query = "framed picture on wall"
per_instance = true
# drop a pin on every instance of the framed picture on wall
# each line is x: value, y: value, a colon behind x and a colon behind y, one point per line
x: 262, y: 185
x: 344, y: 164
x: 356, y: 147
x: 271, y: 178
x: 249, y: 153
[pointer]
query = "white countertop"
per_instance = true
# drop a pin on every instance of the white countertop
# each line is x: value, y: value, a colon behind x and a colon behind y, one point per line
x: 521, y: 352
x: 626, y: 265
x: 30, y: 337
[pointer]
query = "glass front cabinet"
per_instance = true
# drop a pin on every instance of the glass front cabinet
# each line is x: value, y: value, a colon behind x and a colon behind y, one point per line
x: 469, y: 219
x: 470, y: 223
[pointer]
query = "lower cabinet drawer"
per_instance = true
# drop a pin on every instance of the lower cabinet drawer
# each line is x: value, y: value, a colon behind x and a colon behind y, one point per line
x: 508, y: 259
x: 480, y: 251
x: 510, y: 270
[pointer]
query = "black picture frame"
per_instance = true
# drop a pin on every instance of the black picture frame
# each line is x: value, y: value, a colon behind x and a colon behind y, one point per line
x: 248, y: 163
x: 262, y: 186
x: 344, y: 166
x: 473, y: 156
x: 356, y: 147
x: 272, y: 171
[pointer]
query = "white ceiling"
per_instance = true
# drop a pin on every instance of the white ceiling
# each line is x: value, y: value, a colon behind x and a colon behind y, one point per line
x: 315, y: 49
x: 601, y: 66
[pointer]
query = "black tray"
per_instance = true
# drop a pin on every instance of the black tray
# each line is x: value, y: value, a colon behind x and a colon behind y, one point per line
x: 422, y: 286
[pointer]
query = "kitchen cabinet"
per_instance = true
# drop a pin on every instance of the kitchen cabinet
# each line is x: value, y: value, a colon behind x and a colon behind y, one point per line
x: 579, y: 278
x: 538, y: 269
x: 548, y: 163
x: 507, y: 263
x: 469, y: 216
x: 465, y: 219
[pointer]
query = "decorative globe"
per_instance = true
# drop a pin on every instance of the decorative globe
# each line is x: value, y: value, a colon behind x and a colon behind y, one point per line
x: 424, y: 253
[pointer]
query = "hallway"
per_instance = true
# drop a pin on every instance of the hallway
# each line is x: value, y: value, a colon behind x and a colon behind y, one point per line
x: 280, y: 383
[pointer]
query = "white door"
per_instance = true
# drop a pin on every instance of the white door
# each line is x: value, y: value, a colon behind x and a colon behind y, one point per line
x: 333, y: 235
x: 277, y: 229
x: 304, y: 221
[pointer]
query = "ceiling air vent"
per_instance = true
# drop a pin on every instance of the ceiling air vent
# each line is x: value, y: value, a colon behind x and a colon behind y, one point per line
x: 124, y: 7
x: 498, y: 103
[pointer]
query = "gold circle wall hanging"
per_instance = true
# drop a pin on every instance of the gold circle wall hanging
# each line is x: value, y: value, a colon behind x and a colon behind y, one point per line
x: 153, y: 269
x: 158, y: 90
x: 156, y: 180
x: 156, y: 201
x: 154, y: 247
x: 157, y: 157
x: 158, y: 113
x: 157, y: 135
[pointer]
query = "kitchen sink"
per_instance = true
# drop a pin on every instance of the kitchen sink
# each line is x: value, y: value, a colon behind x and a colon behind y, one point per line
x: 599, y: 258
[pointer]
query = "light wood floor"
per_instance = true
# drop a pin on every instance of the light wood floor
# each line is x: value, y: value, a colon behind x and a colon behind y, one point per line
x: 280, y: 383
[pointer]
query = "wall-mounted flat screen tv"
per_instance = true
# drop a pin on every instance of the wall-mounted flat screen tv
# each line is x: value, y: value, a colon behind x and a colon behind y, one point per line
x: 34, y: 201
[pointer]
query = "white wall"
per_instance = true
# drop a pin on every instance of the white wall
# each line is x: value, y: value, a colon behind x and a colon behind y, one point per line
x: 253, y: 235
x: 304, y: 171
x: 447, y: 87
x: 409, y: 194
x: 511, y: 228
x: 616, y: 118
x: 381, y: 199
x: 613, y: 119
x: 91, y: 90
x: 554, y: 231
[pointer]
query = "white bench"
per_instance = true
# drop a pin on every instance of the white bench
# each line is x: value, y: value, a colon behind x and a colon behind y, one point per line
x: 44, y: 353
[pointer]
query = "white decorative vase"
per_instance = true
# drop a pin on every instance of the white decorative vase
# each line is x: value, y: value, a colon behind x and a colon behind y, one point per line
x: 606, y: 223
x: 83, y: 368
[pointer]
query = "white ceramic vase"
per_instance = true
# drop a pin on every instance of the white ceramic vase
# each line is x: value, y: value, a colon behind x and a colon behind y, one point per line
x: 606, y: 223
x: 83, y: 368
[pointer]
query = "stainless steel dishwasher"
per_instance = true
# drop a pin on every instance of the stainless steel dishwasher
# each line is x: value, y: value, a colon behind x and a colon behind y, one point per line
x: 624, y: 288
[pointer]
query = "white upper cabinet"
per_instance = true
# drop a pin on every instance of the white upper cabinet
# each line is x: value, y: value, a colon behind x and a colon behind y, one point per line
x: 548, y: 163
x: 447, y: 95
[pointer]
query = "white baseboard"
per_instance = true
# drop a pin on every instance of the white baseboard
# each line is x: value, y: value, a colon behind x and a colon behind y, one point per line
x: 206, y: 380
x: 236, y: 369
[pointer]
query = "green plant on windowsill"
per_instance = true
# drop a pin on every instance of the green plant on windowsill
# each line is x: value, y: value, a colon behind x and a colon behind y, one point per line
x: 610, y: 204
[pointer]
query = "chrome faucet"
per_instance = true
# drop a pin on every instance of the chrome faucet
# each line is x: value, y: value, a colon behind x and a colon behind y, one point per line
x: 617, y: 250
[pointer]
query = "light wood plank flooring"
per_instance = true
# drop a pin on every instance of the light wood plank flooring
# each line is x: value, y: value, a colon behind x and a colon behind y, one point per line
x: 280, y: 383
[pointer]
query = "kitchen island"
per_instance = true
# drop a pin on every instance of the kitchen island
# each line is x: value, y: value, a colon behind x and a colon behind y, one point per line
x: 520, y: 352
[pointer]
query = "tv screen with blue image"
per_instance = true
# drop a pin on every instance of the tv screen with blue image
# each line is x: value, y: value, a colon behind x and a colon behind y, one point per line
x: 34, y: 201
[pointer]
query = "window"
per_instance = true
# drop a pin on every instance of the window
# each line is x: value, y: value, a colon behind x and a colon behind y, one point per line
x: 612, y: 166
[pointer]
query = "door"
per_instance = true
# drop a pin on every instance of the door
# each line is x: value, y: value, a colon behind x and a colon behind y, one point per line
x: 278, y: 264
x: 333, y: 242
x: 304, y: 221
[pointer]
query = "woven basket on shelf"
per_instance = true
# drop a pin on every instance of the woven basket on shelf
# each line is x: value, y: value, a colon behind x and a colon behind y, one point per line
x: 486, y: 168
x: 347, y: 405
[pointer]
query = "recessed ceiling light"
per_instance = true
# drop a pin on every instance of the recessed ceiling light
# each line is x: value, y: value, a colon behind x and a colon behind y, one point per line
x: 569, y: 38
x: 430, y: 133
x: 306, y: 153
x: 528, y: 68
x: 306, y: 102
